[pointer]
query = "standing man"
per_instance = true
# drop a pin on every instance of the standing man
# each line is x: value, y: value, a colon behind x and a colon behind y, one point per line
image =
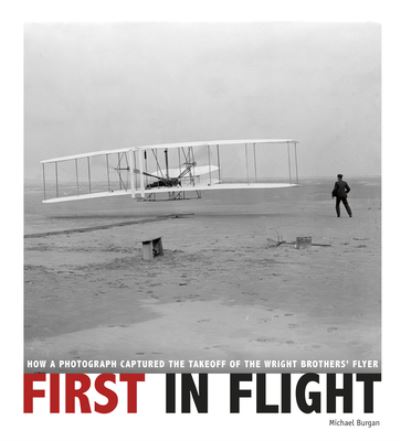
x: 340, y: 192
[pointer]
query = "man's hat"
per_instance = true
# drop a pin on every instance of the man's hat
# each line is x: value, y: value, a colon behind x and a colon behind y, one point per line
x: 340, y: 176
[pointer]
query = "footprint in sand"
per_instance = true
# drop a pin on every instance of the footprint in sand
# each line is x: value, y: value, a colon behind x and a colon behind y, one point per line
x: 289, y: 342
x: 331, y: 329
x: 213, y: 347
x: 140, y: 353
x: 293, y: 325
x: 74, y: 354
x: 203, y: 320
x: 288, y: 314
x: 265, y: 339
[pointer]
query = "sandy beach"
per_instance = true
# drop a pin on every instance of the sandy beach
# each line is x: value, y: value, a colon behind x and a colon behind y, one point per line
x: 224, y: 289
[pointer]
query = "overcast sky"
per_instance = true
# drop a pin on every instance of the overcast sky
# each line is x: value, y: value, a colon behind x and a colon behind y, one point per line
x: 100, y: 86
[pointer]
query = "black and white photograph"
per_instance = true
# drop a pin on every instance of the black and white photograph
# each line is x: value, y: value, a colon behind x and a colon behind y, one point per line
x: 202, y: 192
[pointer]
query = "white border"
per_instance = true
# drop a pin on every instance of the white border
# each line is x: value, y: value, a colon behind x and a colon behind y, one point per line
x: 16, y: 426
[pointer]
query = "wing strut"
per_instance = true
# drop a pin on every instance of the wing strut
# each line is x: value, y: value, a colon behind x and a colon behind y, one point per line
x: 108, y: 173
x: 194, y: 170
x: 289, y: 162
x: 89, y: 175
x: 146, y: 169
x: 141, y: 174
x: 76, y: 176
x: 219, y: 164
x: 56, y: 170
x: 44, y: 182
x: 255, y: 162
x: 166, y: 163
x: 247, y: 163
x: 209, y: 163
x: 131, y: 172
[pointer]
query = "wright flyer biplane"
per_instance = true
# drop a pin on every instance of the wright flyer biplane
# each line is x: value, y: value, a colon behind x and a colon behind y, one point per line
x: 171, y: 171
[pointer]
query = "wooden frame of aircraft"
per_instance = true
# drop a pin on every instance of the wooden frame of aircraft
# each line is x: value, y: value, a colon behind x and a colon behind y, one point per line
x: 140, y: 174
